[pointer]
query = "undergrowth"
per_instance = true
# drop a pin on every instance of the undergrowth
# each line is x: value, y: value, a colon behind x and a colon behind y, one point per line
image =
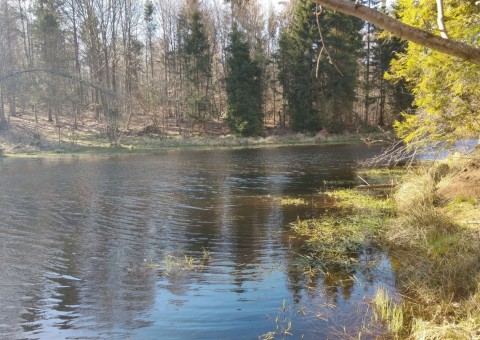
x: 436, y: 258
x: 434, y: 251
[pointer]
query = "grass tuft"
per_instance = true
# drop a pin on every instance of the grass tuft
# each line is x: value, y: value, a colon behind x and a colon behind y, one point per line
x: 290, y: 201
x: 388, y: 311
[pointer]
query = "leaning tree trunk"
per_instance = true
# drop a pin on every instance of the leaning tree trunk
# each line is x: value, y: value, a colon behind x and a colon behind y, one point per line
x: 404, y: 31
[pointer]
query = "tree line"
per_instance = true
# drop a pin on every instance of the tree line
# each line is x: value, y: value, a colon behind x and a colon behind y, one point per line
x: 195, y: 62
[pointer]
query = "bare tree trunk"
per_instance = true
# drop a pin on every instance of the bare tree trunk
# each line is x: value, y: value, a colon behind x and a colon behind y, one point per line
x: 50, y: 116
x: 3, y: 121
x: 12, y: 100
x: 404, y: 31
x: 383, y: 95
x: 367, y: 75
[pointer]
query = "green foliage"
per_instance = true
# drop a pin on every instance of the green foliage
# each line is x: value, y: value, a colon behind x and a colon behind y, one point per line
x: 49, y: 31
x: 320, y: 98
x: 297, y: 68
x: 198, y: 65
x: 244, y: 87
x: 446, y: 89
x: 148, y: 11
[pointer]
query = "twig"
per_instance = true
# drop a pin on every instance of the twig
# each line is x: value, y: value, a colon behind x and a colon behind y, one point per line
x: 318, y: 11
x: 364, y: 180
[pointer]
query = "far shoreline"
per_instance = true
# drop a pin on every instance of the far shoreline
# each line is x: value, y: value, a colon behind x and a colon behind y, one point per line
x: 95, y: 145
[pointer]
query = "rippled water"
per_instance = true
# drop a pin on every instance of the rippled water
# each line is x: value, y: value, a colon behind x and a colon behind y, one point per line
x: 179, y: 245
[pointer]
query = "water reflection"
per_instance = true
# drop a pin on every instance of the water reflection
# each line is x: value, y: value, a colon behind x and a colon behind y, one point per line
x: 85, y: 242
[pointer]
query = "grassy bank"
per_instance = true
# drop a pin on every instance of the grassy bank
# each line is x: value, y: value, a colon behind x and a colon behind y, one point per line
x: 436, y: 249
x: 18, y: 146
x: 430, y: 224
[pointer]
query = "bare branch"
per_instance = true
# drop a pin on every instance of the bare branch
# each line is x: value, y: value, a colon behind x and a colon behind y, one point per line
x: 440, y: 20
x: 318, y: 11
x: 61, y: 74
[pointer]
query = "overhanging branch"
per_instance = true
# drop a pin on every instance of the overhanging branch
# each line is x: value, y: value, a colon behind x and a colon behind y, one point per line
x: 404, y: 31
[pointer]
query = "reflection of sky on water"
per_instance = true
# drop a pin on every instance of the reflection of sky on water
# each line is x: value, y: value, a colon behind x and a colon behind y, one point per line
x: 85, y: 243
x: 442, y: 150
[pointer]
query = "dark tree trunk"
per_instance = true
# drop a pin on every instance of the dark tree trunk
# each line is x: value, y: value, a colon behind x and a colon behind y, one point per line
x: 3, y: 120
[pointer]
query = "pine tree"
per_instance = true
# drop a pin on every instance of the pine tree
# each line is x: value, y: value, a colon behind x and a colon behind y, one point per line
x: 244, y: 88
x: 150, y: 27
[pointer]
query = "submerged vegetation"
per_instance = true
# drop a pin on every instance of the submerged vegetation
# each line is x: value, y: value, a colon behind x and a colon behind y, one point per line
x: 337, y: 237
x: 289, y: 201
x: 430, y: 225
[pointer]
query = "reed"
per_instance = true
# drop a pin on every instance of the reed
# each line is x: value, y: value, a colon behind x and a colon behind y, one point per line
x: 388, y: 311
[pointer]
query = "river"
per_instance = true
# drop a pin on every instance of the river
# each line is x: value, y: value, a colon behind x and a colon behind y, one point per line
x: 177, y: 245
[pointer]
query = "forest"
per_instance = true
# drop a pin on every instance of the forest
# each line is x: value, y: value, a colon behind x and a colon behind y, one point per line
x: 186, y: 67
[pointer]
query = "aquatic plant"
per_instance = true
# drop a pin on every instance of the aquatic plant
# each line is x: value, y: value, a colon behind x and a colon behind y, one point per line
x: 174, y: 264
x: 337, y: 237
x: 388, y: 311
x: 283, y: 324
x: 206, y: 255
x: 291, y: 201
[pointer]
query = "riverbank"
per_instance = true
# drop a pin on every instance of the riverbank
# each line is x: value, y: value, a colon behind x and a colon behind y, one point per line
x: 430, y: 227
x: 25, y: 138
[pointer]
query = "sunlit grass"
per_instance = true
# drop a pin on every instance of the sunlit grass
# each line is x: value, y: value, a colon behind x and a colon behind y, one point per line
x: 337, y: 237
x: 292, y: 201
x: 436, y: 256
x: 363, y: 203
x: 388, y: 311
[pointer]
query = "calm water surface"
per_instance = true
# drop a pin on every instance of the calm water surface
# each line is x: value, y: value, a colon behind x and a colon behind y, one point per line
x: 113, y: 247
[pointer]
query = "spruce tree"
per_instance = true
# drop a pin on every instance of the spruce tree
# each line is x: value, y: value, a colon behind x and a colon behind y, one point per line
x: 50, y: 38
x: 338, y: 71
x: 198, y: 66
x: 319, y: 95
x: 394, y: 97
x: 297, y: 65
x: 244, y: 87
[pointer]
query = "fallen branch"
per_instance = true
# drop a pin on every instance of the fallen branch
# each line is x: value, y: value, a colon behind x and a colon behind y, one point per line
x: 378, y: 186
